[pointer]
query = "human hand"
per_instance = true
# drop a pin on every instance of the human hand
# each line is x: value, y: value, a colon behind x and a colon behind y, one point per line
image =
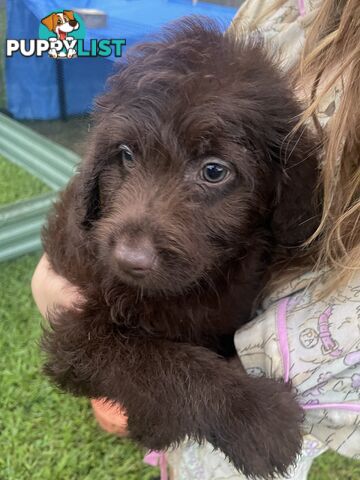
x: 50, y: 289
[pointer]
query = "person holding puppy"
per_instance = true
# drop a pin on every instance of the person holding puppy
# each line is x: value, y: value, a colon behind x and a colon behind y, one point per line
x: 307, y: 330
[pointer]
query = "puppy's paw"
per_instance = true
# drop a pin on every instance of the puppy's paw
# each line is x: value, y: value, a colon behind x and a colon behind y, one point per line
x: 155, y: 432
x: 259, y: 430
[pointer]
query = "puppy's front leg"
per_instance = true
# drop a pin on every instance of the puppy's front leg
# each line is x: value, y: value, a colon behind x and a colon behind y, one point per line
x: 172, y: 391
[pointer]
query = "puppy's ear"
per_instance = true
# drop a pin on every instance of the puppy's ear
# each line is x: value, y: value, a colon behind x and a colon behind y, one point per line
x: 297, y: 206
x: 89, y: 196
x: 50, y: 21
x: 69, y: 14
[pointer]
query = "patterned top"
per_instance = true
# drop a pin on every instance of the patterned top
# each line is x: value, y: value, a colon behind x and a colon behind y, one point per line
x: 315, y: 343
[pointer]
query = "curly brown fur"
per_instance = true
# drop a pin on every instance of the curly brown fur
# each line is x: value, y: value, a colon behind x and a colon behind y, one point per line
x: 156, y: 339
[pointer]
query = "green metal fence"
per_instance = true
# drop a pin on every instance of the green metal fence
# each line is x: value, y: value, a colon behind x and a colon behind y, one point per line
x: 21, y: 222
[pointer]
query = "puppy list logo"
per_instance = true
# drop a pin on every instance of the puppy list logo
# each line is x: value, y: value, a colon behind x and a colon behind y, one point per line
x: 61, y: 35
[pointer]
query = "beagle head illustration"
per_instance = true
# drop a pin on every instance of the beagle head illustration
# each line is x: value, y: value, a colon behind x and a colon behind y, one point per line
x: 61, y: 23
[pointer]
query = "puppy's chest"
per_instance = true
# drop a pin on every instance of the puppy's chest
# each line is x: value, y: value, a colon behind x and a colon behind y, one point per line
x: 197, y: 324
x: 209, y: 321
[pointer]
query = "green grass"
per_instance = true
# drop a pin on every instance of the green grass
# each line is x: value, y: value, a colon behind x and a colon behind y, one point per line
x: 46, y: 435
x: 17, y: 184
x: 331, y: 466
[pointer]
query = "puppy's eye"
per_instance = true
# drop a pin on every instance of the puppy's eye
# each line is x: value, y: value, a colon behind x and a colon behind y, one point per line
x: 126, y: 156
x: 214, y: 172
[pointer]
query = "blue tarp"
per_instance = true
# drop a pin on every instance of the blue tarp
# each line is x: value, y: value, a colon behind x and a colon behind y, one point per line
x: 32, y: 86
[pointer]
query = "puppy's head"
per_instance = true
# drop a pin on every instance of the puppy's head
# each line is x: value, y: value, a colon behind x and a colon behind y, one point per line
x: 192, y: 160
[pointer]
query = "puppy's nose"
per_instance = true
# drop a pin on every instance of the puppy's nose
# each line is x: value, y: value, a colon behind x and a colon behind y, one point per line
x: 136, y: 259
x: 73, y: 23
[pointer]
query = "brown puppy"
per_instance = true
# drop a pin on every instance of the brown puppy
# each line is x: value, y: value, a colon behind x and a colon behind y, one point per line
x: 191, y: 183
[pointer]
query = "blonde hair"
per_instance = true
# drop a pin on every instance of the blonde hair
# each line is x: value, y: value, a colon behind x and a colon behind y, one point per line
x: 332, y: 54
x: 333, y: 46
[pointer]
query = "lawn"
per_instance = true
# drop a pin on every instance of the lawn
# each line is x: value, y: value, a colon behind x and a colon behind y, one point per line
x: 45, y: 434
x: 25, y: 186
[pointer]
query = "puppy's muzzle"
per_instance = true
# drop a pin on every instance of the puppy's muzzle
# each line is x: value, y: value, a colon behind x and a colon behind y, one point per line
x: 135, y: 259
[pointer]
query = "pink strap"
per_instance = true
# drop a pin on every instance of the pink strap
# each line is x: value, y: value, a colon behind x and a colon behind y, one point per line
x: 301, y: 5
x: 352, y: 407
x: 282, y: 336
x: 157, y: 459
